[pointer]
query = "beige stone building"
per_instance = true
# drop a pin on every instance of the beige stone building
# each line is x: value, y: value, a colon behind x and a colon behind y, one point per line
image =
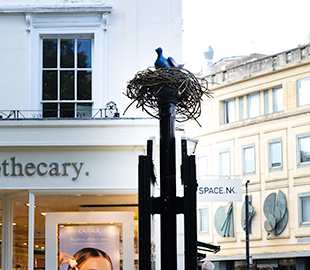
x: 257, y: 128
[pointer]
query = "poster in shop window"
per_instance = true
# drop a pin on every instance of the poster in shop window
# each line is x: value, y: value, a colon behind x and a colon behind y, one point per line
x: 86, y: 242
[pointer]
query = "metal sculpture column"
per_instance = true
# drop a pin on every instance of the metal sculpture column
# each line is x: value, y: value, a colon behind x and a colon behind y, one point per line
x: 166, y: 103
x: 168, y: 90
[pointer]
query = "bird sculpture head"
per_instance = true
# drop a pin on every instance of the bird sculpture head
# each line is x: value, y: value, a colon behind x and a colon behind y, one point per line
x: 159, y: 51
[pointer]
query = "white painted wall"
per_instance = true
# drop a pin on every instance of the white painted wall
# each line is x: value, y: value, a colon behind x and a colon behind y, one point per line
x: 12, y: 62
x: 134, y: 30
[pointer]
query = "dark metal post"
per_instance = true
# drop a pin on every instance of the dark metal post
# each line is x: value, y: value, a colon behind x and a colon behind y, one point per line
x: 247, y: 226
x: 188, y: 175
x: 166, y: 102
x: 145, y: 169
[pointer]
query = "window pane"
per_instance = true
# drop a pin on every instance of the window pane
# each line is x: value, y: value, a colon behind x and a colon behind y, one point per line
x: 67, y: 85
x: 278, y: 99
x: 304, y: 148
x: 305, y: 209
x: 84, y: 53
x: 84, y: 85
x: 66, y: 109
x: 109, y: 241
x: 275, y: 154
x: 67, y: 53
x: 266, y: 102
x: 50, y: 110
x: 224, y: 163
x: 230, y: 111
x: 304, y: 92
x: 49, y: 85
x: 248, y: 159
x: 204, y: 220
x: 49, y: 53
x: 240, y: 108
x: 254, y: 105
x: 20, y: 231
x: 84, y: 110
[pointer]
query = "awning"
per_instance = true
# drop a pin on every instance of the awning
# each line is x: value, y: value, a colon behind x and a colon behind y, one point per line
x: 205, y: 247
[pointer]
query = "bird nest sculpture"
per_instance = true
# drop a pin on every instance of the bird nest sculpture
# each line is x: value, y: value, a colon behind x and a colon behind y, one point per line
x: 145, y: 88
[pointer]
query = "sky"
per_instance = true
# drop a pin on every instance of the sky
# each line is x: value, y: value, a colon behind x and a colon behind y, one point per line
x: 242, y: 27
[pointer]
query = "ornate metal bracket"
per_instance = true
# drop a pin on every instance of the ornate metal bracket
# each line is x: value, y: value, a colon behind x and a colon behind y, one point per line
x: 111, y: 110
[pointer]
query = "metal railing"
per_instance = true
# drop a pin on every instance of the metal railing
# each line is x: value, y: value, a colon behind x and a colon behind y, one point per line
x: 110, y: 111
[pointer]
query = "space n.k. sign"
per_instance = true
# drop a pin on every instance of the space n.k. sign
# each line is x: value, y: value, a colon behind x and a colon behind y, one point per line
x: 219, y: 190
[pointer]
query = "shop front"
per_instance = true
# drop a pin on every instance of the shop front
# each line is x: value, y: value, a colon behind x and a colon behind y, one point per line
x: 58, y: 201
x: 277, y: 262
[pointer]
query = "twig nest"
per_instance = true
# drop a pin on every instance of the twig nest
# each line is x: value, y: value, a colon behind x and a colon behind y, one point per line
x: 145, y: 89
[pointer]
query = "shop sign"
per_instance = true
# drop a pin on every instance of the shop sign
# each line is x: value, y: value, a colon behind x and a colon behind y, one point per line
x: 266, y: 263
x: 68, y: 168
x: 220, y: 190
x: 11, y: 167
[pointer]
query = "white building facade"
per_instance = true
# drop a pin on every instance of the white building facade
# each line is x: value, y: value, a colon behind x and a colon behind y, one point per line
x: 69, y: 158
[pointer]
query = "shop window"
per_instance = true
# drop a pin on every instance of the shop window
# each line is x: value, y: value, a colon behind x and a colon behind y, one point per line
x: 229, y: 111
x: 224, y: 163
x: 202, y: 167
x: 304, y: 209
x: 75, y: 222
x: 67, y: 77
x: 278, y: 99
x: 303, y: 149
x: 1, y: 240
x: 204, y: 220
x: 303, y: 92
x: 20, y: 232
x: 67, y: 223
x: 275, y: 154
x: 248, y: 156
x: 253, y: 105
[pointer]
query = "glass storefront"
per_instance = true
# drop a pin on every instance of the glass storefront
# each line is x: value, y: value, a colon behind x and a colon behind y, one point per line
x: 277, y: 264
x: 68, y: 224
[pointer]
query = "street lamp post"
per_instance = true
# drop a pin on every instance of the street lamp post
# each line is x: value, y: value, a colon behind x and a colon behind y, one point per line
x: 247, y: 226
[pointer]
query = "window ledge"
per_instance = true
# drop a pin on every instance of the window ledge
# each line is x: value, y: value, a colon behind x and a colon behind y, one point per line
x: 56, y: 9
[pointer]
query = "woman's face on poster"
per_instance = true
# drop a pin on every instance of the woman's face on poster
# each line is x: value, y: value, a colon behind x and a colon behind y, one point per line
x: 97, y: 263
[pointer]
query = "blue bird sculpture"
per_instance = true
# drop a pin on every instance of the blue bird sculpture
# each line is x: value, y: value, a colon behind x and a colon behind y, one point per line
x: 162, y: 62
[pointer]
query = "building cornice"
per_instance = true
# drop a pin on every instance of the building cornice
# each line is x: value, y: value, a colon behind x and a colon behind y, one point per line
x: 8, y: 9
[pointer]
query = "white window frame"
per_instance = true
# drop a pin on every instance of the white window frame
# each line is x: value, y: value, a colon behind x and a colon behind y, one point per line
x: 58, y: 25
x: 300, y: 210
x: 302, y: 99
x: 249, y: 105
x: 275, y: 99
x: 201, y: 211
x: 270, y: 142
x: 228, y: 118
x: 244, y: 148
x: 75, y: 68
x: 298, y: 137
x: 221, y: 166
